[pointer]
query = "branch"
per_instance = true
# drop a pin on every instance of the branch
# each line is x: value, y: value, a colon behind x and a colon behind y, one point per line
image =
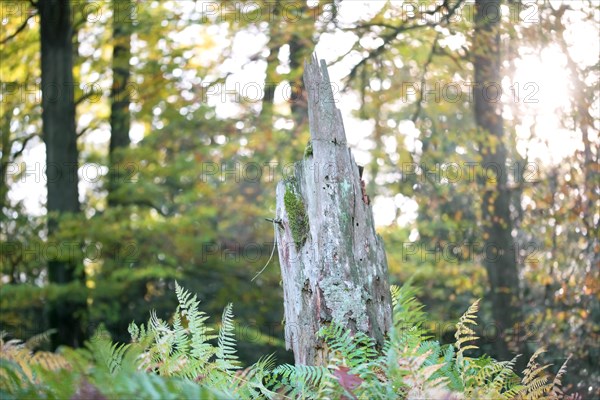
x: 402, y: 28
x: 373, y: 24
x: 396, y: 30
x: 379, y: 50
x: 24, y: 144
x: 423, y: 78
x: 86, y: 96
x: 145, y: 203
x: 341, y: 57
x: 19, y: 29
x: 84, y: 131
x: 88, y: 128
x: 444, y: 52
x: 438, y: 8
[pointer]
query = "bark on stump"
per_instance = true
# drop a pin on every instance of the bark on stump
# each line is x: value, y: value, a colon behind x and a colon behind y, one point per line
x: 333, y: 264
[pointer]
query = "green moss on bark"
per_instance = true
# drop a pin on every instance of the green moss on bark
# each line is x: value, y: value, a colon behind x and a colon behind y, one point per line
x: 308, y: 151
x: 296, y: 210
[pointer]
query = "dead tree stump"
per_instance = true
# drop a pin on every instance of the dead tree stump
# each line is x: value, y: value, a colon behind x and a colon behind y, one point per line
x: 333, y: 264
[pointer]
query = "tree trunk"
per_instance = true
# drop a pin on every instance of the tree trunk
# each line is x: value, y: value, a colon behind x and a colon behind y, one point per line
x: 275, y: 42
x: 120, y: 119
x: 499, y: 258
x: 301, y: 46
x: 333, y: 264
x: 58, y: 118
x: 5, y: 159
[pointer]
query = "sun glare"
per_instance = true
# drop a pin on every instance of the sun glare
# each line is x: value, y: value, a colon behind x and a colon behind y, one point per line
x: 548, y: 78
x: 541, y: 94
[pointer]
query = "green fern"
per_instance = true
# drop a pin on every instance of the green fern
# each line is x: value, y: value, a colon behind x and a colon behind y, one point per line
x: 226, y: 351
x: 108, y: 355
x: 355, y: 349
x: 408, y: 314
x: 299, y: 381
x: 502, y: 375
x: 200, y: 333
x: 251, y: 382
x: 185, y: 358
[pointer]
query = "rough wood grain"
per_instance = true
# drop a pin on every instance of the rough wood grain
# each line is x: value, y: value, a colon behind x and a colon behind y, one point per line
x: 333, y: 266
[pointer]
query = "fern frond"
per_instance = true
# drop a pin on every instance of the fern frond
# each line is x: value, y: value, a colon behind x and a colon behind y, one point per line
x: 49, y: 361
x: 226, y: 351
x: 357, y: 349
x: 428, y: 371
x: 535, y: 378
x: 13, y: 378
x: 503, y: 371
x: 395, y: 292
x: 306, y: 374
x: 181, y: 339
x: 407, y: 310
x: 531, y: 371
x: 557, y: 391
x: 107, y: 354
x: 298, y: 381
x: 138, y: 333
x: 433, y: 347
x: 200, y: 333
x: 512, y: 392
x: 37, y: 340
x: 464, y: 333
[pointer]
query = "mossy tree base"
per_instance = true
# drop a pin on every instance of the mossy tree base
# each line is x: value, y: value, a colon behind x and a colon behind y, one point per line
x: 333, y: 264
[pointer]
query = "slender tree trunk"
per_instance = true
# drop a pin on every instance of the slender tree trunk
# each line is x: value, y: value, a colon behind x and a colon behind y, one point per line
x: 333, y: 264
x: 299, y: 37
x: 300, y: 49
x: 120, y: 119
x: 266, y: 112
x: 6, y: 259
x: 5, y: 147
x: 58, y: 118
x: 499, y: 255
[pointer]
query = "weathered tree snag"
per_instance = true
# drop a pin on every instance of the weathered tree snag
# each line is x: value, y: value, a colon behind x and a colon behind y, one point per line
x: 332, y: 262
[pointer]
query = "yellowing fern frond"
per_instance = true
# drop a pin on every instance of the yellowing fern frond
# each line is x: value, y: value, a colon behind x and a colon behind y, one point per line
x: 535, y: 380
x: 19, y: 353
x: 557, y: 392
x: 49, y: 361
x: 464, y: 333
